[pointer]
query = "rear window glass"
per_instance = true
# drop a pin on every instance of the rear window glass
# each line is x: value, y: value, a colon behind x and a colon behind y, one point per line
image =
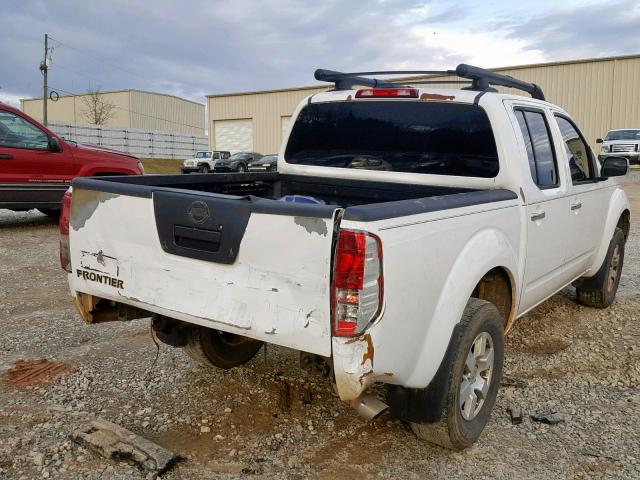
x: 416, y: 137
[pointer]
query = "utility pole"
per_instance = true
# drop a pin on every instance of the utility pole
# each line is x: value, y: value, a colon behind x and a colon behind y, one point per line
x: 44, y: 67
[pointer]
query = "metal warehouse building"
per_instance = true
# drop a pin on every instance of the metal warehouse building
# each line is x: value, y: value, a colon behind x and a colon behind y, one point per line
x: 600, y: 93
x: 133, y: 109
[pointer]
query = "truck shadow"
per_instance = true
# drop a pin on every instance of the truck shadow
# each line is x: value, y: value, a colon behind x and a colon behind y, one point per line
x: 11, y: 219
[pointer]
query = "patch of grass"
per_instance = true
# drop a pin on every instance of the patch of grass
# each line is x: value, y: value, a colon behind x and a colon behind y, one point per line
x: 161, y: 165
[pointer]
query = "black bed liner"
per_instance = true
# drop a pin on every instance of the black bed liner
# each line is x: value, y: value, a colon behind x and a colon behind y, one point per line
x: 363, y: 200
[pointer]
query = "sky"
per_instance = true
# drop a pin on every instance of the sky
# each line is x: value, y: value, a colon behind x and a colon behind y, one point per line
x: 191, y: 48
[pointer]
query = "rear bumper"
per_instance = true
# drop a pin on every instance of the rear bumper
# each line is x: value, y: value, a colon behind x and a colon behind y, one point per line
x: 189, y: 169
x: 352, y: 358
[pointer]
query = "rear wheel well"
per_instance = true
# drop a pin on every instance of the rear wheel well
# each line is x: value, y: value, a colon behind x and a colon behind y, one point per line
x: 496, y: 287
x: 624, y: 223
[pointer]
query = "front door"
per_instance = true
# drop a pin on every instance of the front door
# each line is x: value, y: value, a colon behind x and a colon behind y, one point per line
x: 29, y: 171
x: 587, y: 205
x: 546, y: 210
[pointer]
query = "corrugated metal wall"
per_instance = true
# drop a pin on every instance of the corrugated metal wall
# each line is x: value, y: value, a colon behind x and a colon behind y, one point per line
x: 133, y: 109
x: 600, y: 94
x: 166, y: 113
x: 72, y: 109
x: 264, y: 108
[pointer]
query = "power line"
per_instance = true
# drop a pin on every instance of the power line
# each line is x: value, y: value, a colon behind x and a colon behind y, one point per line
x: 105, y: 62
x: 78, y: 73
x: 100, y: 61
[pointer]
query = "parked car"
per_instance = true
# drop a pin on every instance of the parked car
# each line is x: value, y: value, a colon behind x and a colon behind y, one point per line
x: 37, y: 166
x: 268, y: 163
x: 238, y: 162
x: 407, y: 276
x: 203, y: 162
x: 622, y: 143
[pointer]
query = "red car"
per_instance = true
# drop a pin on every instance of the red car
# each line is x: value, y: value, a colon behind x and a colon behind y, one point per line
x: 37, y: 166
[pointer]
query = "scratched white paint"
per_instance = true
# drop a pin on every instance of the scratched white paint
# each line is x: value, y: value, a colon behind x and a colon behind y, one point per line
x: 276, y: 291
x: 352, y: 367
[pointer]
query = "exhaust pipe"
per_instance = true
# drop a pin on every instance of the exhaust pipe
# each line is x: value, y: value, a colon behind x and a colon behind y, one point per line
x: 368, y: 406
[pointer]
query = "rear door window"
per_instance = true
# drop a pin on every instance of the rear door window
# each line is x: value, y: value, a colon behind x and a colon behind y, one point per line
x: 537, y: 140
x: 400, y: 136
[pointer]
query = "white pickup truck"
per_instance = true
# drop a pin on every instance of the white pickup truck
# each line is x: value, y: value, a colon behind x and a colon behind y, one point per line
x: 404, y: 232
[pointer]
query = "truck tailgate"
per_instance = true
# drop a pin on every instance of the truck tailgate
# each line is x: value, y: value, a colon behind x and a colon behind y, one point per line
x: 245, y: 265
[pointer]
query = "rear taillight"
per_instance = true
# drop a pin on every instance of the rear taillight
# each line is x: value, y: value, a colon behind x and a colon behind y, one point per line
x: 357, y: 282
x: 387, y: 93
x: 65, y: 254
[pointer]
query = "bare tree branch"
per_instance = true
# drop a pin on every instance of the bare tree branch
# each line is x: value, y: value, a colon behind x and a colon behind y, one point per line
x: 98, y: 111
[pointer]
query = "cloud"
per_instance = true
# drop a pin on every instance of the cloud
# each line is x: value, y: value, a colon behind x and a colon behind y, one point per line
x: 10, y: 98
x: 593, y: 30
x: 199, y: 47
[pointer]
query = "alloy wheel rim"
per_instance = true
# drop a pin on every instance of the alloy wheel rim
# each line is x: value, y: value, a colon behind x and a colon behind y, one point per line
x: 614, y: 268
x: 477, y: 376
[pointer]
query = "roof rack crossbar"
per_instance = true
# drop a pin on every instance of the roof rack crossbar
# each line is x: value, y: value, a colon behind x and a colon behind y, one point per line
x: 481, y: 79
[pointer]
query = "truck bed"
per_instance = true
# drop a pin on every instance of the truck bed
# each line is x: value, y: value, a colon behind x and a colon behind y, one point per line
x: 224, y: 252
x: 361, y: 199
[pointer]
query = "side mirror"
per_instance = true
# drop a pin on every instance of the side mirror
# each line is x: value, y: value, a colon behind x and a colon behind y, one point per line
x: 598, y: 140
x: 614, y: 167
x: 54, y: 145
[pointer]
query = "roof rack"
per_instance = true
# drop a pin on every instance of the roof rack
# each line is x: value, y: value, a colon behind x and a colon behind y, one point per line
x: 481, y: 79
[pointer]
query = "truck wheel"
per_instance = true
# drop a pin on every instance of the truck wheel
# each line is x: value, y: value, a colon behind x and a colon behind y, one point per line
x: 50, y: 212
x: 473, y: 381
x: 220, y: 349
x: 204, y: 169
x: 600, y: 290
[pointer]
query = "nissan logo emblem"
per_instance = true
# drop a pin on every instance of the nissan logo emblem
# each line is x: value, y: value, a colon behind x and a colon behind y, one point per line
x: 198, y: 212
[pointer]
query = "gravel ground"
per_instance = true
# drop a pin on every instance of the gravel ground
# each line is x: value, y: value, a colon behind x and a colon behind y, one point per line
x: 582, y: 362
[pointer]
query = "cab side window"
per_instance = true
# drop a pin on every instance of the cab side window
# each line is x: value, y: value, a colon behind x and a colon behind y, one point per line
x: 16, y: 132
x: 537, y: 140
x: 577, y: 151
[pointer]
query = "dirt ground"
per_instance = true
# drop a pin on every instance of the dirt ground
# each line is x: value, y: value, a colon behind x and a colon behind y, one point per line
x: 57, y: 374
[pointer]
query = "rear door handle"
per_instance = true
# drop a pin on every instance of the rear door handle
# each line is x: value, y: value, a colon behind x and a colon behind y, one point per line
x: 538, y: 216
x: 576, y: 206
x: 6, y: 156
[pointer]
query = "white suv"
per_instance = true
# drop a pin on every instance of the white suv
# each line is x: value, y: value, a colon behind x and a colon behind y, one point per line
x: 203, y: 162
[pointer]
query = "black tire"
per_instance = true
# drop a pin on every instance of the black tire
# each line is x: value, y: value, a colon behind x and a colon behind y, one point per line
x: 241, y: 168
x: 220, y: 349
x: 50, y: 212
x: 204, y: 169
x: 479, y: 320
x: 600, y: 290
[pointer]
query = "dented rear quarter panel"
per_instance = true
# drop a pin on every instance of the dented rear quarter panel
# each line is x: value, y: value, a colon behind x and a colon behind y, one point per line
x: 431, y: 264
x: 277, y: 290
